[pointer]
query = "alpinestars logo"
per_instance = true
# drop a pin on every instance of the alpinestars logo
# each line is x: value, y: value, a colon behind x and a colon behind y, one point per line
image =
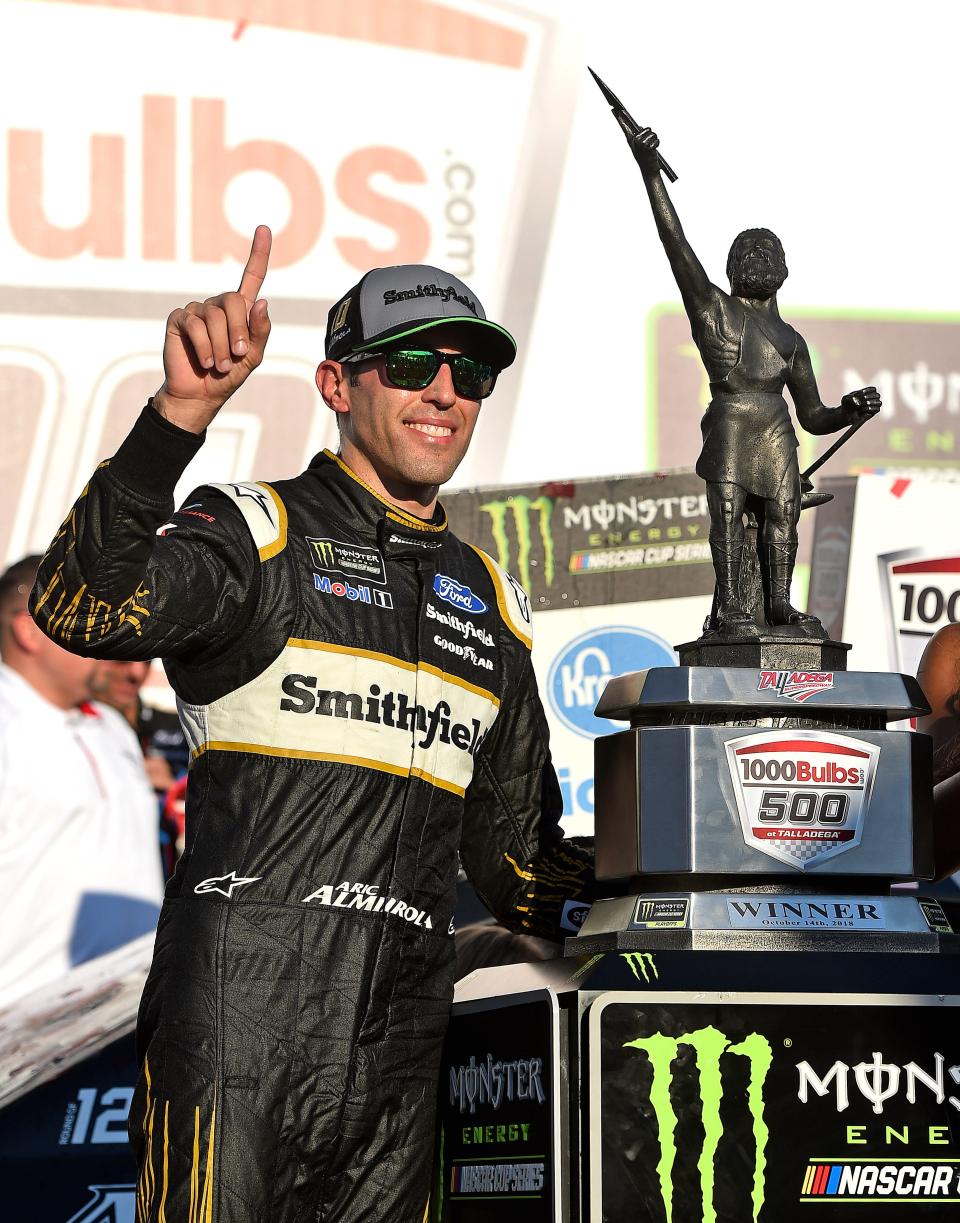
x: 710, y: 1048
x: 256, y: 495
x: 226, y: 885
x: 796, y: 685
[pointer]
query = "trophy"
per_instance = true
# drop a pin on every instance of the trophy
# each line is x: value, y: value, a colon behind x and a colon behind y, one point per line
x: 758, y: 1019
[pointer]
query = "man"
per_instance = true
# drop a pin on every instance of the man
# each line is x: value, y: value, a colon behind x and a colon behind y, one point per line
x: 749, y: 445
x: 343, y: 744
x: 79, y: 852
x: 118, y: 685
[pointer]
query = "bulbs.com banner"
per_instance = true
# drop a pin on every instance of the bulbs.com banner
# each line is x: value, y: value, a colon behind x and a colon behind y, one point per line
x: 357, y: 132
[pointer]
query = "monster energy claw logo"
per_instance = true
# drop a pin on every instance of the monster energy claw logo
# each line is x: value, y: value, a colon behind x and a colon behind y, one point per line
x: 709, y: 1046
x: 641, y: 964
x: 323, y: 550
x: 522, y: 509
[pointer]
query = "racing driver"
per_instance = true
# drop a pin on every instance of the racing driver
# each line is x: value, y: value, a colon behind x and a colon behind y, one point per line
x: 342, y: 750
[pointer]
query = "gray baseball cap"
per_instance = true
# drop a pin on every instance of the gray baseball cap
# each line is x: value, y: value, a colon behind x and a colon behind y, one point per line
x: 390, y: 304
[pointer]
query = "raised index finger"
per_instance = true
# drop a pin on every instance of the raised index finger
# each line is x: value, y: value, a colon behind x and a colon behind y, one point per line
x: 256, y: 269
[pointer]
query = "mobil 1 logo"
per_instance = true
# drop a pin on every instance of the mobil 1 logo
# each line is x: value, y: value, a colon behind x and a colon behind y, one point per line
x: 802, y: 796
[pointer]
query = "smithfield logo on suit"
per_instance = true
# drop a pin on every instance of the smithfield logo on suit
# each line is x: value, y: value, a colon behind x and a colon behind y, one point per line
x: 372, y: 710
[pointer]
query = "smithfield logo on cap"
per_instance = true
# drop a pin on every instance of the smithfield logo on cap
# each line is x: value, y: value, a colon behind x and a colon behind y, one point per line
x: 392, y: 296
x: 451, y: 591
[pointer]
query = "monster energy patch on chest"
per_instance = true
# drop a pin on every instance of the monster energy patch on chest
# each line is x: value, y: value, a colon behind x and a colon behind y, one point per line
x: 351, y: 560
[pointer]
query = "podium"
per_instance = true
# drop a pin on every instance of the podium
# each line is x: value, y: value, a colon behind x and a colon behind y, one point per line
x: 762, y: 1024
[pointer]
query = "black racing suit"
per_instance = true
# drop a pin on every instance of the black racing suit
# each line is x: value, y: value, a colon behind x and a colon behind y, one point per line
x: 357, y: 690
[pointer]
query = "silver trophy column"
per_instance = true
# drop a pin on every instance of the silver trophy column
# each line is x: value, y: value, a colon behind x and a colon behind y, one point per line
x: 763, y: 809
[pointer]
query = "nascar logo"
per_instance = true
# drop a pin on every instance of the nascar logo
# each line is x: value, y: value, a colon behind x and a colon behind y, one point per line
x: 891, y: 1182
x: 796, y: 685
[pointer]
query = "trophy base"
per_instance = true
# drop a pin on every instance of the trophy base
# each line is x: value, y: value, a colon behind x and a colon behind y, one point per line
x: 765, y: 920
x: 786, y: 648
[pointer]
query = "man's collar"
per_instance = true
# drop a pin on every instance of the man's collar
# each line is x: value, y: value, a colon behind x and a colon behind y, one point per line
x: 373, y: 508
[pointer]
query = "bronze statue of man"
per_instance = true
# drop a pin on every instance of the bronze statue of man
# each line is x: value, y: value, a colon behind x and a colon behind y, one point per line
x: 749, y: 455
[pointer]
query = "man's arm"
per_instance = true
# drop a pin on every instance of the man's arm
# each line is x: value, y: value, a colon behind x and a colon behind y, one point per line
x: 126, y: 577
x: 512, y: 847
x: 696, y: 289
x: 815, y: 416
x: 110, y: 585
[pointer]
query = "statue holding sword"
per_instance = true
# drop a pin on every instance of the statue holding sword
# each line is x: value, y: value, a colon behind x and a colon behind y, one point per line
x: 749, y: 453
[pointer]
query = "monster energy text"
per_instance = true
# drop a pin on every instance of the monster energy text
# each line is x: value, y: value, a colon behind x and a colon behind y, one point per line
x: 878, y: 1081
x: 492, y: 1082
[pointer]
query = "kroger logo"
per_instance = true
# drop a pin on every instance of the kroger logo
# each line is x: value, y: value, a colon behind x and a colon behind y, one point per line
x: 584, y: 668
x: 463, y: 597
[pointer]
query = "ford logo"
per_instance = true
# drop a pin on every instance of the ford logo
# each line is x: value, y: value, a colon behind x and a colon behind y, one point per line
x: 451, y: 591
x: 582, y: 670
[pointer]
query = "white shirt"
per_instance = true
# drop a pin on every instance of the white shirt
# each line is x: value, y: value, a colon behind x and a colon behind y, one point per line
x: 80, y: 866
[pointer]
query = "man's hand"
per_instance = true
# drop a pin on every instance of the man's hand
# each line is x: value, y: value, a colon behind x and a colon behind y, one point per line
x: 862, y: 404
x: 644, y: 146
x: 212, y: 347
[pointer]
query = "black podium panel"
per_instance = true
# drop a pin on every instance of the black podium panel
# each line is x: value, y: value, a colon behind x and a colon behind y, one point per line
x: 64, y: 1156
x: 499, y: 1114
x: 773, y: 1109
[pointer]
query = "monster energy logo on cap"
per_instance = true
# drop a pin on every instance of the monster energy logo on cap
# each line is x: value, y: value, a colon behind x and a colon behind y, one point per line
x: 522, y: 510
x: 709, y: 1045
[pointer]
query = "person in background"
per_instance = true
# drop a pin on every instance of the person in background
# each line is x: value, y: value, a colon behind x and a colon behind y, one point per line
x: 939, y: 677
x: 165, y: 752
x: 79, y: 860
x: 118, y: 685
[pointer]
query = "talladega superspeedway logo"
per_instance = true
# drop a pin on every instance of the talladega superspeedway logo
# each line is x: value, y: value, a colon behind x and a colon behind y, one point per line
x: 582, y: 670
